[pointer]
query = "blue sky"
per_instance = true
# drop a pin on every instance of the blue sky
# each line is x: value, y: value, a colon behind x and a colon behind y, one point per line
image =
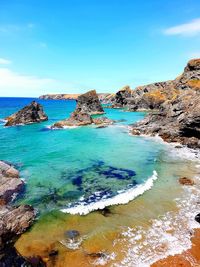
x: 56, y: 46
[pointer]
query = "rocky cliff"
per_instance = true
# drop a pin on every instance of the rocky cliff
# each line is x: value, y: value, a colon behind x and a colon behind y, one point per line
x: 178, y: 119
x: 60, y: 96
x: 31, y: 113
x: 152, y: 96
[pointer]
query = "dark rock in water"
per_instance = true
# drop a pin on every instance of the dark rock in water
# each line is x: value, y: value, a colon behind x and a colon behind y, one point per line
x: 197, y: 218
x: 30, y: 114
x: 72, y: 234
x: 76, y: 119
x: 89, y: 103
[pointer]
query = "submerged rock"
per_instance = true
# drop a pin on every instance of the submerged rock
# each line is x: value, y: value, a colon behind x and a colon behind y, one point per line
x: 89, y: 103
x: 29, y: 114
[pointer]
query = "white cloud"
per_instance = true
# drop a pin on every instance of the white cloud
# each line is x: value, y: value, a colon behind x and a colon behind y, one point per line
x: 4, y: 61
x: 191, y: 28
x: 15, y: 84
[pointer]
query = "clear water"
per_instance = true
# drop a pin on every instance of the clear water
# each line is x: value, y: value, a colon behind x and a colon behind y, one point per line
x: 60, y: 166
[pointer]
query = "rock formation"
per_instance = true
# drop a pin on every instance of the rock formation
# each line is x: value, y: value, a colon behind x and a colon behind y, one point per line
x: 76, y: 119
x: 89, y: 103
x: 29, y: 114
x: 13, y: 220
x: 121, y: 97
x: 177, y: 121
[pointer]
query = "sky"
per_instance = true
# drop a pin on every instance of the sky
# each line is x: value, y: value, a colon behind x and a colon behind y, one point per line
x: 72, y: 46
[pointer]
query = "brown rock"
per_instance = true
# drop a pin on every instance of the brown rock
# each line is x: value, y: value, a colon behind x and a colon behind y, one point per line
x: 29, y: 114
x: 186, y: 181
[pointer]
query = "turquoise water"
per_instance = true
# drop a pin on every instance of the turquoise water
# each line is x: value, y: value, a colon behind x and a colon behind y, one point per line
x: 60, y: 166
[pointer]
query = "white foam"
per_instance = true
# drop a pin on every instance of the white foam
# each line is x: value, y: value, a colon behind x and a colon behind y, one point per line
x: 168, y: 235
x: 64, y: 127
x: 120, y: 198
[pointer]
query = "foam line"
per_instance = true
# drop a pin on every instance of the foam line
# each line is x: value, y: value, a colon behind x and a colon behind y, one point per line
x: 121, y: 198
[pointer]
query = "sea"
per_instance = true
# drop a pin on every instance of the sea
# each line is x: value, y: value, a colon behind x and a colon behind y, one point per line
x: 119, y: 192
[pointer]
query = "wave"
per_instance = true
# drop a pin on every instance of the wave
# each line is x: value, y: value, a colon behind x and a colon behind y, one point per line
x: 123, y: 197
x: 170, y: 234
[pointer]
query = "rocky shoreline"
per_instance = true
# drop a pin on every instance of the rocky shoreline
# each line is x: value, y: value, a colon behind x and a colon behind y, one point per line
x: 14, y: 220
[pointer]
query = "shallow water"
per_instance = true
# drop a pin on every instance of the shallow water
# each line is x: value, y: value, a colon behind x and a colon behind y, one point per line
x: 76, y: 169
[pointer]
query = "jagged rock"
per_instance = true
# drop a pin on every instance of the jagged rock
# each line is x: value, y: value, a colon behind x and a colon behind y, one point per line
x: 29, y: 114
x: 76, y: 119
x: 151, y: 96
x: 190, y: 79
x: 177, y: 121
x: 10, y: 183
x: 13, y: 220
x: 89, y: 103
x: 121, y: 97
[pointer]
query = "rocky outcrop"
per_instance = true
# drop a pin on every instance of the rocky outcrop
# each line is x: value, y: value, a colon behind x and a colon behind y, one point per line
x: 177, y: 121
x: 29, y: 114
x: 81, y: 119
x: 190, y: 79
x: 89, y: 103
x: 121, y: 97
x: 76, y: 119
x: 60, y: 96
x: 13, y: 220
x: 151, y: 96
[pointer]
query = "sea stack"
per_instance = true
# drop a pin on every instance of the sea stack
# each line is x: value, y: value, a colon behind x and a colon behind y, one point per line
x: 32, y: 113
x: 87, y: 104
